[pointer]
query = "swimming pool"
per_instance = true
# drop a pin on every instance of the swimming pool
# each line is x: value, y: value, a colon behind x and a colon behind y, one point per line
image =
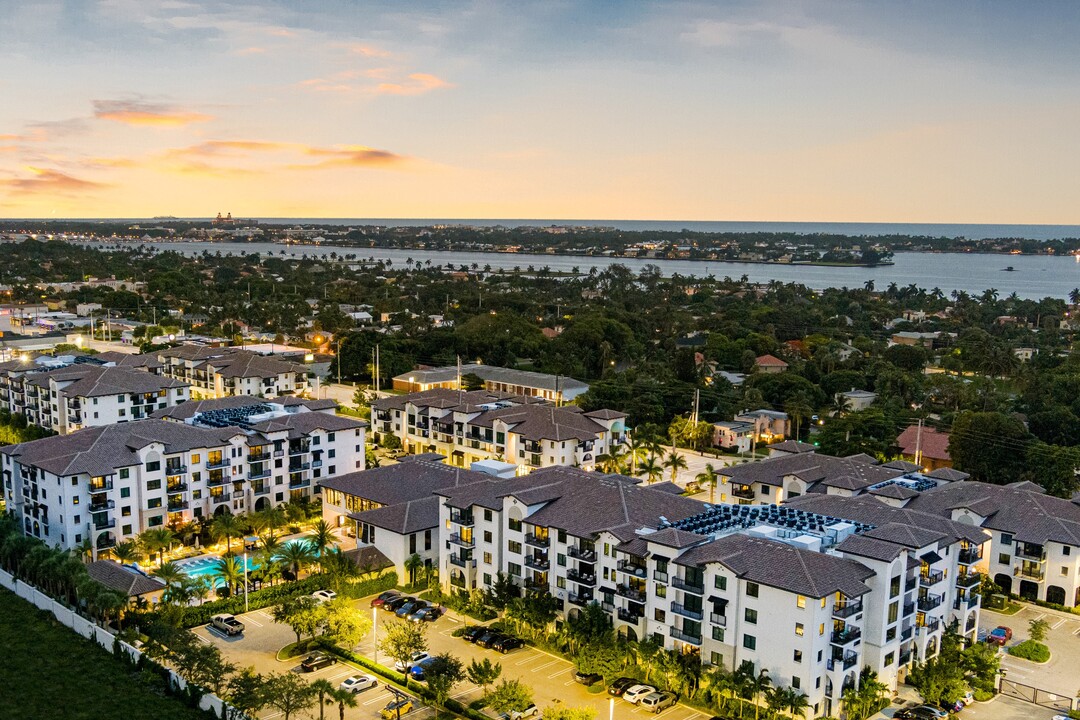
x: 205, y: 565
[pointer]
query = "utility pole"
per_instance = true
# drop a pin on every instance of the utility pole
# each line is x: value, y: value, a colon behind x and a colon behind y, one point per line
x: 459, y: 377
x: 697, y: 402
x: 378, y: 376
x: 918, y: 445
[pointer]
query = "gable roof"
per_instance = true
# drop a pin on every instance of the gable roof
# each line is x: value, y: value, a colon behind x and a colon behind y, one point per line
x: 403, y: 518
x: 930, y: 442
x: 853, y: 473
x: 122, y: 579
x: 402, y: 482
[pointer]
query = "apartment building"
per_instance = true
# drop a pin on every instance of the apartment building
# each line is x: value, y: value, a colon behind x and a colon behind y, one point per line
x: 107, y: 484
x: 69, y: 393
x: 809, y: 592
x: 553, y: 388
x: 219, y: 372
x: 467, y: 427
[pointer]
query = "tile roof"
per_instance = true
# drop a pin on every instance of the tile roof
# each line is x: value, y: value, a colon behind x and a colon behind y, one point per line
x: 868, y: 510
x: 100, y: 381
x: 116, y: 576
x: 368, y: 558
x: 769, y: 361
x: 793, y: 446
x: 895, y: 491
x: 948, y: 474
x: 304, y: 423
x: 403, y: 518
x: 930, y: 442
x: 490, y: 373
x: 853, y: 472
x: 234, y: 362
x: 779, y: 565
x: 869, y: 547
x: 446, y: 398
x: 189, y: 409
x: 100, y: 451
x: 402, y: 482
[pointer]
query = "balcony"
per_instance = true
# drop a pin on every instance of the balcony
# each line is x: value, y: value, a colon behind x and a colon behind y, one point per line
x: 176, y: 487
x: 718, y: 619
x: 178, y: 505
x: 745, y: 492
x: 302, y: 483
x: 316, y: 464
x: 847, y: 609
x: 215, y: 482
x: 969, y: 580
x: 929, y: 602
x: 683, y: 584
x: 299, y: 467
x: 102, y: 505
x: 537, y: 562
x: 458, y: 581
x: 537, y: 586
x: 928, y: 626
x: 680, y: 609
x: 1030, y: 571
x: 215, y: 464
x: 909, y: 609
x: 660, y: 577
x: 588, y: 555
x: 581, y: 578
x: 174, y: 470
x: 105, y: 524
x: 846, y: 636
x: 970, y: 556
x: 101, y: 486
x: 540, y: 541
x: 1035, y: 553
x: 907, y: 632
x: 259, y: 474
x: 220, y: 498
x: 261, y: 489
x: 456, y: 559
x: 462, y: 518
x: 967, y: 602
x: 931, y: 579
x: 259, y: 456
x: 845, y: 661
x: 456, y: 539
x: 678, y: 634
x: 299, y: 449
x: 905, y: 657
x: 627, y: 616
x: 579, y: 599
x: 632, y: 569
x: 628, y: 592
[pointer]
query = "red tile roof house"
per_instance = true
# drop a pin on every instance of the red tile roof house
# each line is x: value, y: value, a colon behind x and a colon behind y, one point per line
x: 770, y: 364
x: 931, y: 446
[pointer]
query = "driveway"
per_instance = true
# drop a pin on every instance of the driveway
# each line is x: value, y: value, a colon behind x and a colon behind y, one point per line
x: 1058, y: 675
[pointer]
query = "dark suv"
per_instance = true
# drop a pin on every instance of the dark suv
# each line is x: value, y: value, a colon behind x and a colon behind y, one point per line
x: 587, y: 678
x: 507, y: 643
x: 621, y: 685
x: 489, y: 638
x: 474, y: 633
x: 317, y: 661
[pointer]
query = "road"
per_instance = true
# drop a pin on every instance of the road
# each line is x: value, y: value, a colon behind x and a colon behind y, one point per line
x: 551, y: 678
x: 1058, y: 675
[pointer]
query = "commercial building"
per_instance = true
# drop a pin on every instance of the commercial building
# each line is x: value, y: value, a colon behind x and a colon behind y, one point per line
x: 69, y: 393
x: 466, y: 427
x: 553, y: 388
x: 219, y: 372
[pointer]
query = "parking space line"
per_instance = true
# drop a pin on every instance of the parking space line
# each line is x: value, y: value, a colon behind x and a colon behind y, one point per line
x: 1076, y: 632
x: 559, y: 672
x: 269, y: 618
x: 378, y: 698
x: 548, y: 664
x: 528, y: 659
x: 1040, y: 616
x: 1059, y: 623
x: 253, y: 621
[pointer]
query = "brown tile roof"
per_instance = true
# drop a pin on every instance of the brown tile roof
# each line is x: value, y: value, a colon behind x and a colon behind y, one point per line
x: 402, y: 482
x: 869, y: 547
x: 116, y: 576
x: 869, y: 510
x: 403, y: 518
x: 769, y: 361
x: 932, y: 443
x: 368, y: 558
x: 99, y: 381
x: 853, y: 472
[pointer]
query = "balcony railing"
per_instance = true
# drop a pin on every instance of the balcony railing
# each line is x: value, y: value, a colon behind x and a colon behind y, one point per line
x: 262, y: 489
x: 846, y: 636
x: 929, y: 626
x: 627, y: 616
x: 215, y: 482
x: 966, y: 603
x: 176, y: 506
x: 101, y: 486
x: 535, y: 540
x: 1031, y: 552
x: 686, y: 637
x: 456, y: 539
x: 213, y: 465
x: 628, y: 567
x: 176, y: 487
x: 1035, y: 573
x: 930, y: 579
x: 909, y: 609
x: 302, y: 483
x: 970, y: 556
x: 258, y: 474
x: 968, y: 580
x: 299, y: 467
x: 661, y: 577
x: 907, y: 632
x: 845, y: 661
x: 580, y: 577
x: 579, y: 599
x: 456, y: 559
x: 462, y: 518
x: 905, y: 658
x: 682, y: 584
x: 537, y: 562
x: 718, y: 619
x: 102, y: 505
x: 680, y: 609
x: 220, y: 498
x: 629, y: 592
x: 173, y: 470
x: 105, y: 524
x: 587, y: 555
x: 929, y: 602
x: 259, y: 456
x: 847, y: 609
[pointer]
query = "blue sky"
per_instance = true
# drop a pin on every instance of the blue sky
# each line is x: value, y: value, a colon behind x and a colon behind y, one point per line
x: 814, y: 110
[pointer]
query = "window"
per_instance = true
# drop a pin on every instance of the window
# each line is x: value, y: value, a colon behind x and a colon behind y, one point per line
x: 330, y: 438
x: 487, y: 515
x: 659, y: 615
x: 562, y: 536
x: 514, y: 525
x: 1064, y: 570
x: 153, y: 484
x: 894, y: 611
x: 798, y: 656
x: 560, y: 582
x: 800, y: 602
x: 156, y: 521
x: 720, y: 582
x: 153, y: 503
x: 894, y: 587
x: 661, y: 591
x: 125, y: 511
x: 1004, y: 558
x: 1066, y: 550
x: 412, y: 543
x: 749, y: 642
x: 890, y: 634
x: 196, y: 458
x: 514, y: 546
x: 718, y: 634
x: 796, y: 682
x: 487, y: 536
x: 764, y: 490
x: 890, y: 658
x: 799, y: 630
x: 560, y: 560
x: 125, y: 492
x: 821, y: 629
x: 716, y: 658
x: 126, y: 530
x: 823, y: 603
x: 153, y: 466
x: 513, y: 569
x: 487, y: 558
x: 427, y: 539
x: 750, y: 616
x: 487, y: 578
x: 751, y: 589
x: 124, y: 474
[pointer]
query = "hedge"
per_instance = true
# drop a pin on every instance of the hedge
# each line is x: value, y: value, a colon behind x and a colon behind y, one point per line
x: 1031, y: 650
x: 276, y: 594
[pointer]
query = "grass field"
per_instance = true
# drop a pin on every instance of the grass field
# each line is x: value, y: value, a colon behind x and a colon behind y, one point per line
x: 49, y: 672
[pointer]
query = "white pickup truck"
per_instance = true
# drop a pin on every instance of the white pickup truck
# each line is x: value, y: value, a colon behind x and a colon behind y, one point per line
x: 227, y: 624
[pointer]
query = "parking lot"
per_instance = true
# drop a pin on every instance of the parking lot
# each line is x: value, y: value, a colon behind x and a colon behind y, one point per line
x: 551, y: 678
x: 1060, y: 674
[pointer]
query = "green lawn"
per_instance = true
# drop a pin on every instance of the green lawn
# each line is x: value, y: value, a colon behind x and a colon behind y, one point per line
x: 48, y: 672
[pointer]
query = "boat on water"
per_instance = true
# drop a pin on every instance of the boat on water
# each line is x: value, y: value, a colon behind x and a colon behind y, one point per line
x: 1009, y: 269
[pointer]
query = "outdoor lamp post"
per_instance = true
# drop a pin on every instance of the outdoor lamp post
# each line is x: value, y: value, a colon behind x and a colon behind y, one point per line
x: 375, y: 632
x: 245, y: 582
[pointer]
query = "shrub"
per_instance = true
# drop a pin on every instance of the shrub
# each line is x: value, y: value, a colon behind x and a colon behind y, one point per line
x: 1031, y: 650
x: 983, y: 695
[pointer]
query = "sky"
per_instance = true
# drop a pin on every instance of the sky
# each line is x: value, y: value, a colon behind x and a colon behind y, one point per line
x: 810, y: 110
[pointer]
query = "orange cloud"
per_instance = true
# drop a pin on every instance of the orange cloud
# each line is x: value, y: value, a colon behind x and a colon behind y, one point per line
x: 198, y: 158
x: 349, y: 156
x: 421, y: 83
x: 414, y: 84
x: 146, y: 114
x: 367, y: 50
x: 46, y: 181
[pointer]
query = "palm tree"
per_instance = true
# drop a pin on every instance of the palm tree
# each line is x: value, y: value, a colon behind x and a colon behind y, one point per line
x: 296, y: 555
x: 675, y: 462
x: 710, y: 478
x: 156, y: 541
x: 228, y: 526
x: 651, y: 469
x: 83, y: 550
x: 413, y: 565
x: 840, y: 405
x: 344, y: 699
x: 323, y: 536
x: 322, y: 689
x: 636, y: 449
x: 168, y: 573
x: 799, y: 408
x: 759, y: 685
x: 796, y: 703
x: 126, y: 552
x: 230, y: 571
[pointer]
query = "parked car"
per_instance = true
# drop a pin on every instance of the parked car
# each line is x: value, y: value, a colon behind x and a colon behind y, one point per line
x: 416, y: 672
x: 396, y: 708
x: 317, y: 661
x: 531, y: 711
x: 410, y: 607
x: 999, y: 636
x: 921, y: 712
x: 488, y: 639
x: 426, y: 614
x: 621, y: 685
x: 324, y: 595
x: 227, y: 624
x: 507, y: 643
x: 359, y: 683
x: 393, y: 605
x: 474, y: 633
x: 587, y: 678
x: 416, y: 657
x: 385, y: 598
x: 658, y: 701
x: 968, y: 699
x: 635, y: 693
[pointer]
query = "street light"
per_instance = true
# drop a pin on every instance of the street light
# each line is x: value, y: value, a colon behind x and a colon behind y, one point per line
x: 611, y: 709
x: 245, y: 582
x: 375, y: 632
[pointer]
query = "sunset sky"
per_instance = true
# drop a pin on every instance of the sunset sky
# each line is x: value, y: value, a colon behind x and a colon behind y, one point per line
x: 909, y: 111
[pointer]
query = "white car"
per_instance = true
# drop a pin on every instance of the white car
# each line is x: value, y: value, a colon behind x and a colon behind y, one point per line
x: 635, y: 693
x: 531, y: 711
x: 404, y: 667
x: 324, y: 595
x: 359, y: 683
